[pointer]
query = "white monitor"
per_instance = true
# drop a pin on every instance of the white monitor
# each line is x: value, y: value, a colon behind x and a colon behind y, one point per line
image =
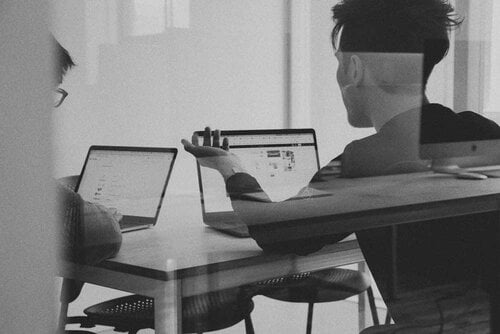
x: 467, y: 153
x: 474, y: 139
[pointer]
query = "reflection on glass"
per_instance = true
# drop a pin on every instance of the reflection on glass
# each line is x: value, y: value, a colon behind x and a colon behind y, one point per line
x: 101, y: 27
x: 178, y: 13
x: 493, y: 98
x: 148, y: 17
x: 111, y: 21
x: 153, y: 16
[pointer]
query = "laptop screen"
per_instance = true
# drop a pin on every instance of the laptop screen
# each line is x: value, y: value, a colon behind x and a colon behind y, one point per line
x: 131, y: 180
x: 282, y: 161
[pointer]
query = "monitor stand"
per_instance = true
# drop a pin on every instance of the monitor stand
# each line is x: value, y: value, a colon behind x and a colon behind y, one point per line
x: 444, y: 166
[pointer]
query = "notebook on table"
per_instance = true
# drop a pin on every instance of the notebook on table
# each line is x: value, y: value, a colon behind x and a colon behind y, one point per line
x: 132, y: 180
x: 282, y: 161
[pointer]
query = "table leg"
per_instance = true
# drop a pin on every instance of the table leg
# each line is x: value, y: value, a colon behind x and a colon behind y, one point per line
x: 393, y: 278
x: 495, y: 311
x: 361, y: 302
x: 494, y: 288
x: 168, y: 306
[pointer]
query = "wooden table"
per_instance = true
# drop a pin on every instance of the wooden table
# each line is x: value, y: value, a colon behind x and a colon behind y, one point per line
x: 180, y: 257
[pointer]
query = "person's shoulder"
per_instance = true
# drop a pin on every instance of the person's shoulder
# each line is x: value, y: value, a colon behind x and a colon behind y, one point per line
x: 471, y: 116
x: 65, y: 192
x: 332, y: 169
x: 362, y: 155
x: 482, y: 126
x: 436, y: 110
x: 441, y: 124
x: 392, y: 150
x: 366, y: 145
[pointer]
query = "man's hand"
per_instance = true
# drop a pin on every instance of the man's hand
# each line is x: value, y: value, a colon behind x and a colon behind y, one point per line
x: 212, y: 155
x: 113, y: 212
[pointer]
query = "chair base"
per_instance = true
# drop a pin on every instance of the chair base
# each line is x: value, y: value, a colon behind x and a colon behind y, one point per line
x: 329, y: 285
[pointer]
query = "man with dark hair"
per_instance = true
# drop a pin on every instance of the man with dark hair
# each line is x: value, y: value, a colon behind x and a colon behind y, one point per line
x: 386, y: 51
x: 381, y: 48
x: 90, y: 232
x: 395, y: 26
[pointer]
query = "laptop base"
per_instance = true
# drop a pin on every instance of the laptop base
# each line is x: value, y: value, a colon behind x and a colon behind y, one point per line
x: 128, y: 226
x: 233, y: 229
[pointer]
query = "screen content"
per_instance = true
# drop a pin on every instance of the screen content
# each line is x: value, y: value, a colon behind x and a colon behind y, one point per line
x: 129, y: 181
x: 281, y: 163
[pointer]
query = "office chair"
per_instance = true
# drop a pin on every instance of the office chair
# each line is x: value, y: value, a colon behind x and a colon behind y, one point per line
x: 322, y: 286
x: 400, y: 329
x: 202, y: 313
x: 219, y: 310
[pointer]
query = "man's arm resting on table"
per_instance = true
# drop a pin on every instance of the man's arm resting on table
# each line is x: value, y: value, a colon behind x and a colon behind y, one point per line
x: 248, y: 199
x: 90, y: 232
x: 241, y: 188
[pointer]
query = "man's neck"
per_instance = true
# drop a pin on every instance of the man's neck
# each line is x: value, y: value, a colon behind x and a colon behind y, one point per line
x: 389, y: 106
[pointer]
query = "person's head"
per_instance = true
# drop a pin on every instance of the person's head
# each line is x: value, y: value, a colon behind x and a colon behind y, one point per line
x: 398, y: 27
x: 62, y: 60
x: 62, y: 63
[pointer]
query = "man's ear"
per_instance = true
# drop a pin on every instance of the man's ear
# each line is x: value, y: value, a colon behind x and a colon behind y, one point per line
x: 356, y: 70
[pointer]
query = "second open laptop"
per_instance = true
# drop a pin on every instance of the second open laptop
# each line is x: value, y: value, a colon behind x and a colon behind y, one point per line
x: 282, y: 161
x: 132, y: 180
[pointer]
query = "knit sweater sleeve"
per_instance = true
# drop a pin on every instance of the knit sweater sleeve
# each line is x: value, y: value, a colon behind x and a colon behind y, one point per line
x: 247, y: 197
x: 89, y: 233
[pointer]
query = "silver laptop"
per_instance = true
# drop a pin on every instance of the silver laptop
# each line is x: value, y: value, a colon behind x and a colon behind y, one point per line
x: 131, y: 180
x: 282, y: 161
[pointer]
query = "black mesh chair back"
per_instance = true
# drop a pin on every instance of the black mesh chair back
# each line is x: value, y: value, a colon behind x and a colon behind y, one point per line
x: 202, y: 313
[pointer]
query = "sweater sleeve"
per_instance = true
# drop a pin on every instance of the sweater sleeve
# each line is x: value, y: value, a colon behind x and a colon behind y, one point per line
x: 242, y: 188
x: 245, y: 186
x: 89, y: 232
x: 70, y: 217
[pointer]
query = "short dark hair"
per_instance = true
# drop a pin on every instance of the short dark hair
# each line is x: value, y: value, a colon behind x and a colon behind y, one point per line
x: 396, y: 26
x: 63, y: 61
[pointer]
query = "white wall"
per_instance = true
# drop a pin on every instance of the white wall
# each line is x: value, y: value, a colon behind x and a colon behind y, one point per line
x: 493, y: 99
x: 151, y: 72
x: 27, y: 235
x: 328, y: 114
x: 225, y: 65
x: 484, y: 58
x: 478, y: 69
x: 226, y: 69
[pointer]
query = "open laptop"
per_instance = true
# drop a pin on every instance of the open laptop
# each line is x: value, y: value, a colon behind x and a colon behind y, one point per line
x: 282, y: 161
x: 132, y: 180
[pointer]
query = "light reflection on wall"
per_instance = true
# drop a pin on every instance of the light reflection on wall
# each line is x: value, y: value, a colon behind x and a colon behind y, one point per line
x: 178, y: 13
x: 110, y: 21
x: 493, y: 98
x: 148, y: 17
x: 101, y: 27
